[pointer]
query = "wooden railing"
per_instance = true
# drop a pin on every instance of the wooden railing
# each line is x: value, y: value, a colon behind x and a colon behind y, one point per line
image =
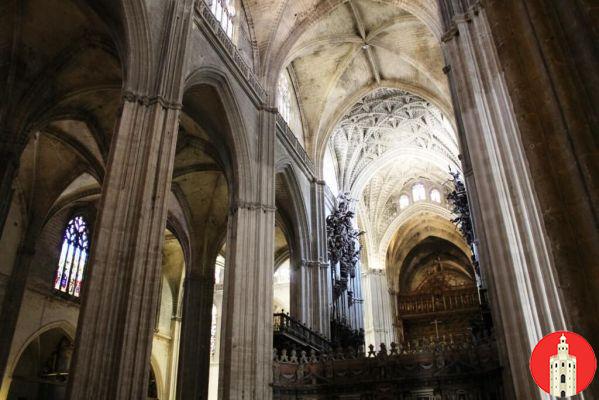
x: 451, y: 300
x: 460, y: 369
x: 283, y: 324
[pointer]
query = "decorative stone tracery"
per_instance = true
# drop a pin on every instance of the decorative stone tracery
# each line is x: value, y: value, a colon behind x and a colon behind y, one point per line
x: 384, y: 121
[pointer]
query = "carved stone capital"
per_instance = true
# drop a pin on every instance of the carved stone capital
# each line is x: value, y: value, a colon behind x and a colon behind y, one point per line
x: 460, y: 18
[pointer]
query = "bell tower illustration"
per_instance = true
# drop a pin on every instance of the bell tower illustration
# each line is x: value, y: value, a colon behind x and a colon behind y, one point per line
x: 562, y: 371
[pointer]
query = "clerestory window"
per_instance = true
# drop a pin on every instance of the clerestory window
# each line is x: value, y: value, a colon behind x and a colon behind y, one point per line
x: 404, y: 201
x: 284, y: 97
x: 224, y: 11
x: 435, y: 196
x: 418, y: 192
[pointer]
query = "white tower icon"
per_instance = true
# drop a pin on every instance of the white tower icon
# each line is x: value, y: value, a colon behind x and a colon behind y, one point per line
x: 562, y: 371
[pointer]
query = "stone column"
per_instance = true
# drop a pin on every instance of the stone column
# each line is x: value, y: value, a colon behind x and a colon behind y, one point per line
x: 194, y: 353
x: 247, y: 329
x: 378, y: 312
x: 246, y: 333
x: 513, y: 248
x: 173, y: 369
x: 321, y: 290
x: 114, y: 335
x: 115, y: 329
x: 300, y: 291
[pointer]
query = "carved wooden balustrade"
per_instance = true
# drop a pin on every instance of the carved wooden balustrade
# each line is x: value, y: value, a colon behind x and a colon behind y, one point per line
x: 298, y: 333
x: 468, y: 367
x: 450, y: 300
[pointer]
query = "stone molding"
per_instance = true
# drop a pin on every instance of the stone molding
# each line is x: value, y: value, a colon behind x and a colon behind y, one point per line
x: 146, y: 100
x: 314, y: 263
x: 252, y: 206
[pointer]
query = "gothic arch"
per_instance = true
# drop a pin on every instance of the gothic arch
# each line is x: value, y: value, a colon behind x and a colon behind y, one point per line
x: 158, y: 375
x: 241, y: 180
x: 298, y: 215
x: 453, y: 257
x: 412, y: 212
x: 137, y: 46
x: 63, y: 325
x: 410, y: 234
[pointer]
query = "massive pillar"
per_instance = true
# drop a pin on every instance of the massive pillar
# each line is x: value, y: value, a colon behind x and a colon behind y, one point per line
x: 194, y: 354
x: 247, y: 329
x: 514, y: 252
x: 114, y: 334
x: 378, y: 313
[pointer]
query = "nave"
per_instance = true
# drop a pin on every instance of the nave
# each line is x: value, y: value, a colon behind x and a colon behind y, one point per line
x: 246, y: 199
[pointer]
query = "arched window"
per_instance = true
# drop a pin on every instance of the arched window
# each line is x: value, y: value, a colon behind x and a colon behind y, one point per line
x: 404, y: 201
x: 284, y: 97
x: 418, y: 192
x: 435, y: 196
x: 563, y: 380
x: 224, y: 11
x: 213, y: 332
x: 73, y: 257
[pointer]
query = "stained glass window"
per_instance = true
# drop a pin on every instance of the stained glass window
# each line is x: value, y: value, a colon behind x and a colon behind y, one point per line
x: 418, y: 192
x: 73, y: 257
x: 224, y: 11
x: 404, y: 201
x: 435, y: 196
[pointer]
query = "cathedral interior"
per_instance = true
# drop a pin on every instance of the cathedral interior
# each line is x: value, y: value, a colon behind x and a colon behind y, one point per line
x: 295, y: 199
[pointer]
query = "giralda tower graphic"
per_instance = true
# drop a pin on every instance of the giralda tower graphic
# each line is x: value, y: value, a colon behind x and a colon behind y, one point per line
x: 562, y: 370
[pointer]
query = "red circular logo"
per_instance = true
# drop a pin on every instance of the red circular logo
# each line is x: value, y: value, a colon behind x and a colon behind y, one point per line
x: 563, y: 364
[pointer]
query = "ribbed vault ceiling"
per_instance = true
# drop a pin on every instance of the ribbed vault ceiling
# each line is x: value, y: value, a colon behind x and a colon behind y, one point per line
x: 388, y: 141
x: 338, y: 51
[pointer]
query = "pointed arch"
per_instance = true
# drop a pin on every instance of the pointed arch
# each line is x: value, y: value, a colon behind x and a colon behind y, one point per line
x: 239, y: 175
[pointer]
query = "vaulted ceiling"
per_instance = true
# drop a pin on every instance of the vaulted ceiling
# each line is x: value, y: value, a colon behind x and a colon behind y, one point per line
x: 368, y: 75
x: 339, y: 50
x: 385, y: 126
